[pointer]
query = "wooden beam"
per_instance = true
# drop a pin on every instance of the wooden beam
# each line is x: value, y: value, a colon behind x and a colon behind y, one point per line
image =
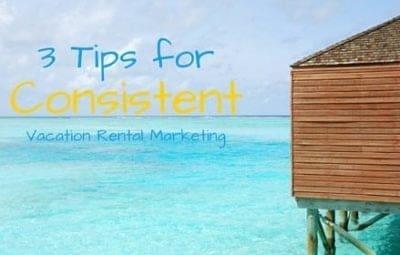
x: 369, y: 222
x: 334, y: 204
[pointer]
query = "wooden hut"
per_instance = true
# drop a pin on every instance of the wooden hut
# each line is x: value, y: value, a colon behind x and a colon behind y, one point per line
x: 346, y: 124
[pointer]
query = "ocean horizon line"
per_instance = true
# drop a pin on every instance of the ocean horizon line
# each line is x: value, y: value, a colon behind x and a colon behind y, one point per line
x: 148, y: 116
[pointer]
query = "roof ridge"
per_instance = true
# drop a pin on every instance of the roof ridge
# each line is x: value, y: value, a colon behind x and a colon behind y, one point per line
x: 346, y: 40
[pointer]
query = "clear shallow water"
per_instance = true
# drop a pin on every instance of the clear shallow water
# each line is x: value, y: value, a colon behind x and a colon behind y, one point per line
x: 156, y: 197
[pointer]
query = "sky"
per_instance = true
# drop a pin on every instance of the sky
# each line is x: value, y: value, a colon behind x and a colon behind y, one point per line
x: 254, y: 43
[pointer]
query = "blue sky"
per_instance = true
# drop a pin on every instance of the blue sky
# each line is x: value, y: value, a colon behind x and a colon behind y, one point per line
x: 254, y: 43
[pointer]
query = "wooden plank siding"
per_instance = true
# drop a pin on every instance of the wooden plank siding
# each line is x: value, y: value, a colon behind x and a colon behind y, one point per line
x: 346, y: 132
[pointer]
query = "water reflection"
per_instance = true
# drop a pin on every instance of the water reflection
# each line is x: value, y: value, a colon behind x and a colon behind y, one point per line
x: 390, y: 238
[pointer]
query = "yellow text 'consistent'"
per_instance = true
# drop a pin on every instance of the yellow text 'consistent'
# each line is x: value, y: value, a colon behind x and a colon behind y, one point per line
x: 126, y: 102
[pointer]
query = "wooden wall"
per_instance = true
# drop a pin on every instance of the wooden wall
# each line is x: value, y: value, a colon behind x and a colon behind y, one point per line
x: 346, y: 133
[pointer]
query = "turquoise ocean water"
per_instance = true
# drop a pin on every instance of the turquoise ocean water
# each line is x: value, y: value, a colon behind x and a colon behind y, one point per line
x: 156, y: 197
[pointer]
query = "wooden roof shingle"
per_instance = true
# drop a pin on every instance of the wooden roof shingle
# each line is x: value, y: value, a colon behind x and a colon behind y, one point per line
x: 379, y: 44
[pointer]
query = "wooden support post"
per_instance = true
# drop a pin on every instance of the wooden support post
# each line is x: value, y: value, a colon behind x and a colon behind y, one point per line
x: 354, y: 217
x: 362, y: 247
x: 343, y: 220
x: 312, y: 237
x: 330, y: 233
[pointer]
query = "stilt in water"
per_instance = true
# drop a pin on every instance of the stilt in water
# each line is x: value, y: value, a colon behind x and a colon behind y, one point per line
x: 354, y: 217
x: 330, y: 233
x: 312, y: 238
x: 343, y: 220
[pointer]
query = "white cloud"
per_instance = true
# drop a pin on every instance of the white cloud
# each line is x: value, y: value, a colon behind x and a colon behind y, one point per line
x: 6, y: 13
x: 84, y: 21
x: 134, y: 44
x: 311, y: 10
x: 87, y: 79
